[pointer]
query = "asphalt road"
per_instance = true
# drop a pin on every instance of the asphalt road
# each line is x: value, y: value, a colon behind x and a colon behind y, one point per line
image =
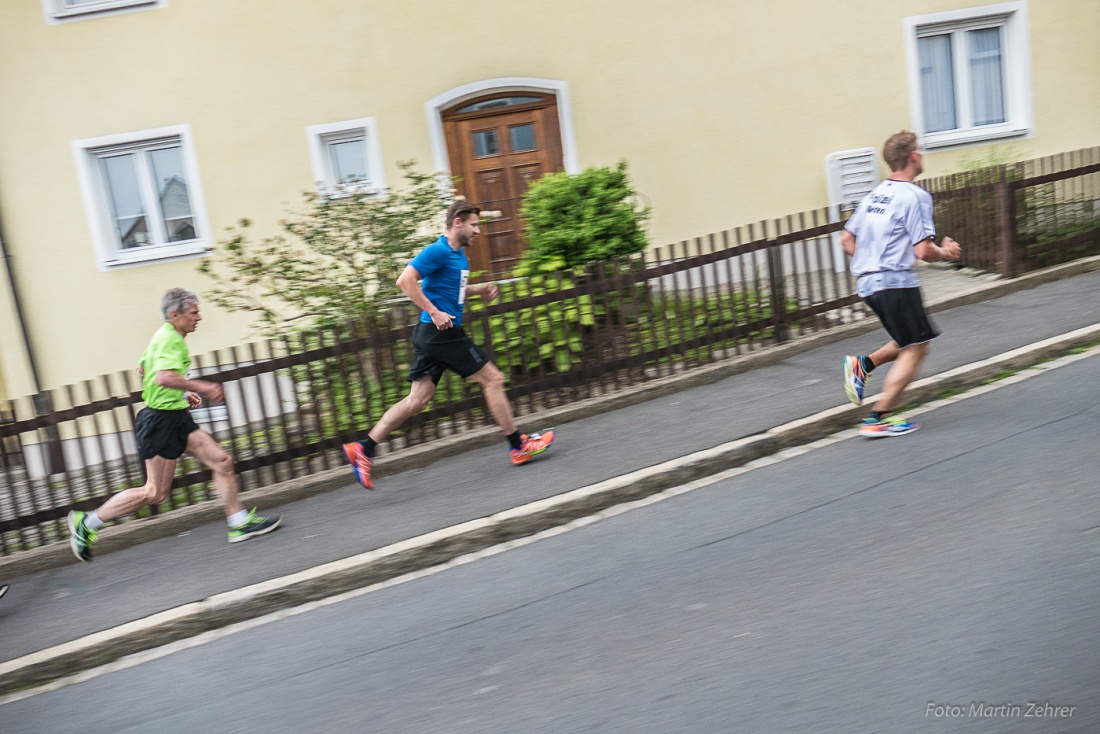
x: 867, y: 586
x: 52, y: 607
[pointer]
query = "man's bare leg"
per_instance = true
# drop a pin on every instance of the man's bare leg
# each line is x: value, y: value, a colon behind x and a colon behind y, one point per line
x: 209, y: 452
x: 420, y: 394
x: 886, y: 353
x: 242, y: 524
x: 158, y: 480
x: 84, y: 527
x: 906, y: 366
x: 361, y: 454
x: 492, y: 385
x: 523, y: 448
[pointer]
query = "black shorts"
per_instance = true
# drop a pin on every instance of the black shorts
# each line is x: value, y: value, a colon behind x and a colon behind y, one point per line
x: 163, y: 432
x: 901, y: 311
x: 435, y: 351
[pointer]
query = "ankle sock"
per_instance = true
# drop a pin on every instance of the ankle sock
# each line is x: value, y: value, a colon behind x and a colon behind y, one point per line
x: 237, y: 519
x: 877, y: 415
x: 867, y: 364
x: 369, y: 444
x: 92, y: 521
x: 514, y: 441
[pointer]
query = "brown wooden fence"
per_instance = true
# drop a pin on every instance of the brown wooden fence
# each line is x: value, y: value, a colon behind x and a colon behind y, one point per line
x: 291, y: 402
x: 1018, y: 217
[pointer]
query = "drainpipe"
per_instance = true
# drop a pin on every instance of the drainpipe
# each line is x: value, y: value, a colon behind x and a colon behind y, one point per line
x: 35, y: 383
x: 42, y: 403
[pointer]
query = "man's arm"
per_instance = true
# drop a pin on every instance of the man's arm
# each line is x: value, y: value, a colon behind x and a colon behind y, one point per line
x: 488, y: 291
x: 848, y: 242
x: 175, y: 381
x: 930, y: 252
x: 409, y: 283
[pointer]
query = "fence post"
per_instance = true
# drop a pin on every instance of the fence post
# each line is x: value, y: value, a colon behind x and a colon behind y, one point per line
x: 55, y: 457
x: 1006, y: 226
x: 774, y: 255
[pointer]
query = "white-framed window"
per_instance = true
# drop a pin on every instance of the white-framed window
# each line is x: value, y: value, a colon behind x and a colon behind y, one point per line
x: 970, y: 74
x: 63, y: 11
x: 346, y: 157
x: 142, y: 196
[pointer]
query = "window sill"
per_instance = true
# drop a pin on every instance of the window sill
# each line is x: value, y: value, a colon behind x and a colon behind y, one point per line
x: 100, y: 7
x: 346, y: 190
x: 977, y: 135
x: 98, y: 10
x: 150, y: 255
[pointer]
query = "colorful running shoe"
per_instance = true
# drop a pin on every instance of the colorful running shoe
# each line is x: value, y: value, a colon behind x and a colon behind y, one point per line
x: 855, y: 379
x: 893, y: 426
x: 81, y: 539
x: 253, y: 526
x: 360, y: 463
x: 532, y: 445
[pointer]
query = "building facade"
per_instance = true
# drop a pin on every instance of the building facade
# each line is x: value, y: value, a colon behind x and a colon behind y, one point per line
x: 133, y: 132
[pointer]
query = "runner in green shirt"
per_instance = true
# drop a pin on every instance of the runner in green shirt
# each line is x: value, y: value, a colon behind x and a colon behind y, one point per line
x: 165, y: 430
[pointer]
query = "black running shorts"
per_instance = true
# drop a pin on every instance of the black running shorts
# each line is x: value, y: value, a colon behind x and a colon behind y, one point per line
x: 163, y: 432
x: 436, y: 350
x: 901, y: 312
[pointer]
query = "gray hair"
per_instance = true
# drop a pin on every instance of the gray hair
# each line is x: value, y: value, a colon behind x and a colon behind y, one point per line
x: 176, y: 300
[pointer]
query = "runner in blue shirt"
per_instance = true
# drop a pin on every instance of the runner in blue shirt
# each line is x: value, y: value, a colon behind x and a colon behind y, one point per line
x: 890, y: 229
x: 437, y: 280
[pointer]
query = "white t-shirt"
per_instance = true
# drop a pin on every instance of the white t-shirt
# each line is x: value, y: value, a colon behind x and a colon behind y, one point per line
x: 890, y: 220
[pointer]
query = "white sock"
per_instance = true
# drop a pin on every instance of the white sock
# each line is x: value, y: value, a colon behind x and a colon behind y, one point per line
x: 92, y: 521
x: 238, y: 518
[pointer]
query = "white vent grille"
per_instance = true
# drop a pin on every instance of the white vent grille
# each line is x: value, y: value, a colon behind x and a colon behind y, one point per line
x: 850, y: 175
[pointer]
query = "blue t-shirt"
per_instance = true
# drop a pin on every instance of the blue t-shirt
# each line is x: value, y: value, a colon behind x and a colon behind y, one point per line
x: 444, y: 273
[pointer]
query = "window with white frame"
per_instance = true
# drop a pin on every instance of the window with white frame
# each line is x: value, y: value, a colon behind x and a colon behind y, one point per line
x: 969, y: 74
x: 142, y: 196
x: 61, y: 11
x: 346, y: 157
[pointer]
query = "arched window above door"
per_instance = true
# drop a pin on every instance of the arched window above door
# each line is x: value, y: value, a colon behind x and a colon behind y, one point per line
x: 488, y: 104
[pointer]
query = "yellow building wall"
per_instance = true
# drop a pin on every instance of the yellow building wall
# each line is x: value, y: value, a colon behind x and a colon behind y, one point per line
x: 724, y: 110
x: 14, y: 367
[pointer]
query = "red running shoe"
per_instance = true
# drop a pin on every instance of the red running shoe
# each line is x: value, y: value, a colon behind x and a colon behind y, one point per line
x: 532, y: 445
x: 360, y: 463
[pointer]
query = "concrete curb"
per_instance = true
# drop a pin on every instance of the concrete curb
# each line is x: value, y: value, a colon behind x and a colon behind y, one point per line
x: 136, y: 532
x: 443, y: 545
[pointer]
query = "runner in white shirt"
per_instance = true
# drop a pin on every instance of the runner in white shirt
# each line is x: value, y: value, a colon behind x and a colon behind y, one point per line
x: 890, y: 229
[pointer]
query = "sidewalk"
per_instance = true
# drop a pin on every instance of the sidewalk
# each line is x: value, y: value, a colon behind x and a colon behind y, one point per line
x: 51, y: 607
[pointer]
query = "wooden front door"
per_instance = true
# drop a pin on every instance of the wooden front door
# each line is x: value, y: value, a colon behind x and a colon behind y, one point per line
x: 498, y: 144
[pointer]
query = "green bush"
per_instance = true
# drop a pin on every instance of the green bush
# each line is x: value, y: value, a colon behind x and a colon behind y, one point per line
x: 576, y: 219
x: 524, y: 339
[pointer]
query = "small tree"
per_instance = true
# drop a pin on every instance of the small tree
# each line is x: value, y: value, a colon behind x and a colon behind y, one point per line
x: 338, y: 260
x: 572, y: 220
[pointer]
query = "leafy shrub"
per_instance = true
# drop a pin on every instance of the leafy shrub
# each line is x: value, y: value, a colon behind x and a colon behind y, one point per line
x: 338, y: 260
x: 576, y: 219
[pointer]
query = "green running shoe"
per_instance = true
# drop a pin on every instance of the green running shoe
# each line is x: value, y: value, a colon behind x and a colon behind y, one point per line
x: 892, y: 426
x: 81, y: 539
x: 253, y: 526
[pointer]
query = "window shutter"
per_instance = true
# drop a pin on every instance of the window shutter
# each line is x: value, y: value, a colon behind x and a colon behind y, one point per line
x: 850, y: 175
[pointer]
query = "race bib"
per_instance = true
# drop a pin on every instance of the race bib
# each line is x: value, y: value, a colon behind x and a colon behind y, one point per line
x: 462, y: 287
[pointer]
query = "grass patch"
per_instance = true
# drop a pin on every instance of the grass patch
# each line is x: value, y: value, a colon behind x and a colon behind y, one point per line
x: 1084, y: 347
x: 1000, y: 376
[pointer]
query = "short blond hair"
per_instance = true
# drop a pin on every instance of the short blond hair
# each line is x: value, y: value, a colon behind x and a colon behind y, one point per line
x: 897, y: 149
